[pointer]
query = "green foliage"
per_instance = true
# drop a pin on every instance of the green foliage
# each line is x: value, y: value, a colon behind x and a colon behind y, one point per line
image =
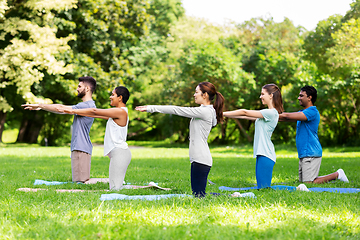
x: 105, y: 31
x: 164, y: 14
x: 3, y: 8
x: 343, y: 56
x: 160, y: 54
x: 333, y: 47
x: 272, y: 53
x: 4, y: 106
x: 29, y: 48
x: 317, y: 42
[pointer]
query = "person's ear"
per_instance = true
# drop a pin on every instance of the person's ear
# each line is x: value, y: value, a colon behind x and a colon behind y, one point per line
x: 120, y: 98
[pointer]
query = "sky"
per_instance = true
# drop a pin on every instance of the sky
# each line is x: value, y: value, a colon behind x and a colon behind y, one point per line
x: 306, y: 13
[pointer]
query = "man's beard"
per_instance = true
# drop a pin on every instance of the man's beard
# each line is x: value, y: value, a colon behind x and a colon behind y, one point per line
x: 81, y: 94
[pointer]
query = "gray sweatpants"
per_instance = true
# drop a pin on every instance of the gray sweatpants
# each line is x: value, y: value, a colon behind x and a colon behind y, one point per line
x: 119, y: 162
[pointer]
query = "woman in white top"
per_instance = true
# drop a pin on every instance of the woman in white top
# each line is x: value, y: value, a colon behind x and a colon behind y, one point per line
x: 203, y: 119
x: 115, y: 146
x: 265, y: 123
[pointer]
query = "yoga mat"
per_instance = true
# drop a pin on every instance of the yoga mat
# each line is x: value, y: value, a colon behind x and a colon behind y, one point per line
x: 47, y: 183
x: 57, y: 190
x: 236, y: 189
x: 275, y: 187
x: 141, y: 187
x: 103, y: 180
x: 116, y: 196
x: 291, y: 189
x: 337, y: 190
x: 90, y: 181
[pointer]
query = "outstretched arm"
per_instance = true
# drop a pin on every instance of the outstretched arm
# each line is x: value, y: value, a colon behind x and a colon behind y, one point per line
x: 189, y: 112
x: 113, y: 113
x: 292, y: 117
x: 47, y: 107
x: 244, y: 114
x: 141, y: 108
x: 245, y: 117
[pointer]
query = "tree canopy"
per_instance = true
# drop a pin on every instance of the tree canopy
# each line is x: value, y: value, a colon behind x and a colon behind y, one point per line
x: 160, y: 55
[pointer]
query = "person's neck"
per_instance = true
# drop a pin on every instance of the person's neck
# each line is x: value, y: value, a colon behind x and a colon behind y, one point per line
x: 309, y: 105
x: 207, y: 103
x: 120, y: 105
x: 86, y: 98
x: 270, y: 106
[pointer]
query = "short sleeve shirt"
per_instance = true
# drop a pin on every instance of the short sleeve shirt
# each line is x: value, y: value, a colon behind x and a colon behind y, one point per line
x: 80, y: 138
x: 307, y: 140
x: 264, y: 127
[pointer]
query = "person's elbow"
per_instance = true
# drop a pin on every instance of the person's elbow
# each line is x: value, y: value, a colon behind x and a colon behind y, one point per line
x: 94, y: 111
x: 246, y: 113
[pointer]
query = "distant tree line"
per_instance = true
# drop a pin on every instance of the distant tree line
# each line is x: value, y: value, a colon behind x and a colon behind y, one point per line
x: 160, y: 54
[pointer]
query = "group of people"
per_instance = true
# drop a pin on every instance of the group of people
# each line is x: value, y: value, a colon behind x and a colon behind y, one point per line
x: 203, y: 119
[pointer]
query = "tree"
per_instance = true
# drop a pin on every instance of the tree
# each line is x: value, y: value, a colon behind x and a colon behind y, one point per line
x: 108, y: 35
x: 272, y: 53
x: 164, y: 14
x: 334, y: 48
x: 29, y: 47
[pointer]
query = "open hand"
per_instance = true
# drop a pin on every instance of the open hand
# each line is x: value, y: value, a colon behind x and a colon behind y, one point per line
x: 141, y: 108
x: 31, y: 106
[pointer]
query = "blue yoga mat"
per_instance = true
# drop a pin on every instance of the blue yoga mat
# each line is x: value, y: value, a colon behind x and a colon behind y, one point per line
x: 337, y: 190
x: 276, y: 187
x: 43, y: 182
x: 291, y: 189
x: 116, y: 196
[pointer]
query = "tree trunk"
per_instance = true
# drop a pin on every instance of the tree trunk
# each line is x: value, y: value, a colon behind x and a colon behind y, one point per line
x: 223, y: 130
x: 243, y: 130
x: 22, y: 130
x: 2, y: 123
x: 30, y: 128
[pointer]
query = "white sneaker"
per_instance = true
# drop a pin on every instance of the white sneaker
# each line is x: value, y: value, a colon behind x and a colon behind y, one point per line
x: 302, y: 187
x: 236, y: 194
x: 342, y: 176
x: 152, y: 184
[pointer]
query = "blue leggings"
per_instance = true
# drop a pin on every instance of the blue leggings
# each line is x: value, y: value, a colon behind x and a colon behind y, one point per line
x: 199, y: 174
x: 264, y: 169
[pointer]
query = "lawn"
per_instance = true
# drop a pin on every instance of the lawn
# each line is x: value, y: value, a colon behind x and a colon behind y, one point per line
x: 82, y: 215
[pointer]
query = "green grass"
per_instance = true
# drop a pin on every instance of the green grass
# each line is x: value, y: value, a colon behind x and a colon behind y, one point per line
x: 272, y: 215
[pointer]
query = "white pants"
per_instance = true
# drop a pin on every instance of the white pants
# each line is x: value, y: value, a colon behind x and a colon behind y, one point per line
x: 119, y: 162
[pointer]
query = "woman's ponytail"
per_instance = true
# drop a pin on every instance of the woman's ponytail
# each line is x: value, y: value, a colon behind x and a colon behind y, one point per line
x: 209, y: 88
x: 219, y: 106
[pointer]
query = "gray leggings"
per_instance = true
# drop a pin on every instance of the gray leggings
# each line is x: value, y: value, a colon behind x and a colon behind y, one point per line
x: 119, y: 162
